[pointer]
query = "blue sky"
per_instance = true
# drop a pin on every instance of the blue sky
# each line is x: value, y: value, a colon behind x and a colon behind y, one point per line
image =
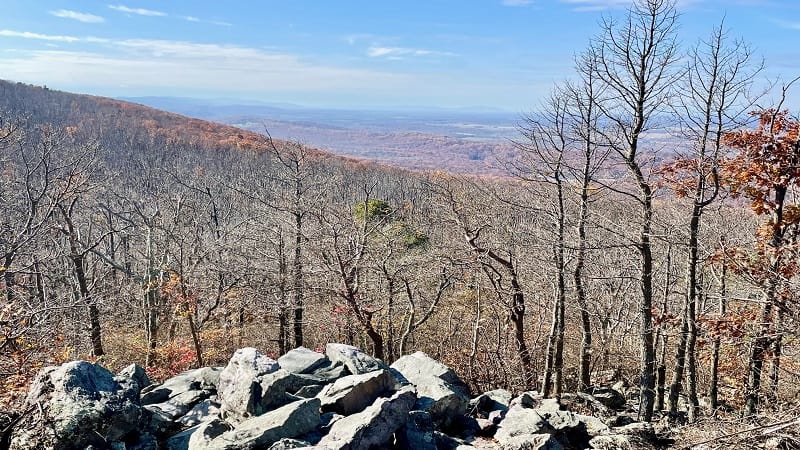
x: 346, y: 53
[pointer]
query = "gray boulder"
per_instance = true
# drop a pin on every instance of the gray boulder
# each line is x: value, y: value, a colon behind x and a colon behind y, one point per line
x: 256, y: 395
x: 521, y: 423
x: 486, y: 427
x: 419, y: 366
x: 445, y: 402
x: 251, y: 384
x: 239, y: 378
x: 205, y: 379
x: 353, y: 393
x: 532, y: 442
x: 418, y: 432
x: 609, y: 397
x: 636, y: 435
x: 356, y: 361
x: 594, y: 426
x: 206, y: 432
x: 611, y: 442
x: 528, y: 399
x: 136, y: 374
x: 180, y: 441
x: 287, y: 444
x: 77, y: 405
x: 288, y: 421
x: 177, y: 406
x: 328, y: 372
x: 309, y: 391
x: 302, y: 360
x: 640, y: 430
x: 595, y: 405
x: 373, y: 427
x: 201, y: 412
x: 488, y: 402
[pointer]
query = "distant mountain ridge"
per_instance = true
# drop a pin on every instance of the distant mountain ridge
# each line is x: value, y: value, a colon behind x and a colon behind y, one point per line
x: 350, y: 135
x: 461, y: 141
x: 108, y: 119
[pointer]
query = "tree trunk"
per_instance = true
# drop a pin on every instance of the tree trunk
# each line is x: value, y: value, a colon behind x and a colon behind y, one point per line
x: 577, y: 276
x: 661, y: 379
x: 198, y: 349
x: 647, y: 385
x: 756, y: 362
x: 95, y: 334
x: 775, y: 369
x: 518, y: 319
x: 151, y: 303
x: 549, y: 370
x: 691, y: 360
x: 151, y: 325
x: 763, y: 341
x: 561, y: 293
x: 713, y: 390
x: 297, y: 273
x: 283, y: 302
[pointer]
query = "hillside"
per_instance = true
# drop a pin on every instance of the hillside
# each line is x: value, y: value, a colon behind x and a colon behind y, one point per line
x: 104, y: 117
x: 131, y: 235
x: 408, y: 150
x: 458, y: 141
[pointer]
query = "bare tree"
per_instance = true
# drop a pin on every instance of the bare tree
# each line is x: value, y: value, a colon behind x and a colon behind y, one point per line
x: 584, y: 115
x: 293, y: 179
x: 38, y: 173
x: 544, y: 152
x: 713, y: 97
x: 499, y: 265
x: 634, y: 60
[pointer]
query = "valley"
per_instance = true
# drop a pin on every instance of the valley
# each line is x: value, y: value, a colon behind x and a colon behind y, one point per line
x: 458, y: 141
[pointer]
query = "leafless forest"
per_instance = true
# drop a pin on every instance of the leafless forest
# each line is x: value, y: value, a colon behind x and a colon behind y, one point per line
x: 131, y: 235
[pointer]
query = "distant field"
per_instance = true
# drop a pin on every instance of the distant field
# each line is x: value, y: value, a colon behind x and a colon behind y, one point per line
x: 455, y: 141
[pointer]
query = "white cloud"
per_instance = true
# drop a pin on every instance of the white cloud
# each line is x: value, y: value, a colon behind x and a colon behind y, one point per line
x: 787, y: 24
x: 212, y: 22
x: 397, y: 52
x: 517, y: 2
x: 160, y: 65
x: 74, y: 15
x: 38, y: 36
x: 139, y: 11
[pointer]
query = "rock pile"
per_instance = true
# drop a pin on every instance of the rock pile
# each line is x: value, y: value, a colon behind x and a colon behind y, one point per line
x: 343, y: 399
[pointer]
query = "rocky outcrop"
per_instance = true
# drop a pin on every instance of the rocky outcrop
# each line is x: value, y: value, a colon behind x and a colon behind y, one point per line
x: 356, y: 361
x: 373, y: 427
x: 440, y: 391
x: 353, y: 393
x: 78, y: 405
x: 419, y: 366
x: 343, y: 399
x: 302, y: 360
x: 289, y: 421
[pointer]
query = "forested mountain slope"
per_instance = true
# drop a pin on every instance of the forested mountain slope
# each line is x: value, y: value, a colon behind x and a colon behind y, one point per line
x: 134, y: 235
